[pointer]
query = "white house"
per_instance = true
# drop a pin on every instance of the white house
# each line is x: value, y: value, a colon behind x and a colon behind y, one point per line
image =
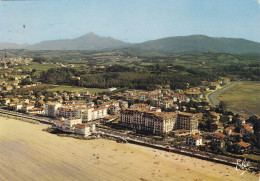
x: 82, y: 129
x: 75, y: 126
x: 194, y: 140
x: 51, y: 109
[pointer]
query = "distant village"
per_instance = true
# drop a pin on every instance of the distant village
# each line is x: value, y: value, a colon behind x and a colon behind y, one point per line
x: 183, y: 115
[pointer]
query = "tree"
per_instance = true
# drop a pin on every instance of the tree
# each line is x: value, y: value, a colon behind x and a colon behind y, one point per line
x: 33, y: 71
x: 39, y: 59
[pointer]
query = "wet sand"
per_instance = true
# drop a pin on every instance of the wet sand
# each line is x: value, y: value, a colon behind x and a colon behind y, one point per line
x: 28, y: 153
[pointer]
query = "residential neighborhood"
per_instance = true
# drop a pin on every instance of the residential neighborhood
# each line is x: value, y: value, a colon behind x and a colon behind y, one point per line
x: 183, y: 115
x: 130, y: 90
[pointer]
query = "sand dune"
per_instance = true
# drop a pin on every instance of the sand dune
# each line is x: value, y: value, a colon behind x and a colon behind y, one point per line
x: 27, y: 153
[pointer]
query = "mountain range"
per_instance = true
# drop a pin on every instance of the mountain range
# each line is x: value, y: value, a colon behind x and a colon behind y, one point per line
x: 198, y: 43
x: 12, y: 46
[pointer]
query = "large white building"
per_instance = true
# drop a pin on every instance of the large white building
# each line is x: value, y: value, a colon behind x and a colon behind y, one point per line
x: 157, y: 122
x: 85, y: 113
x: 75, y: 126
x: 150, y: 121
x: 51, y: 109
x: 188, y: 121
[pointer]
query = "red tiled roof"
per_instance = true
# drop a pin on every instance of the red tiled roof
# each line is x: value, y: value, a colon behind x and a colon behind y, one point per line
x: 181, y: 131
x: 221, y: 135
x: 186, y: 114
x: 101, y: 108
x: 249, y: 129
x: 81, y: 125
x: 235, y: 134
x: 244, y: 125
x: 229, y: 128
x: 197, y: 136
x: 244, y: 144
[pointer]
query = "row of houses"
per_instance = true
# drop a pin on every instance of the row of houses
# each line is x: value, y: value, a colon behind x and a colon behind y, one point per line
x: 14, y: 83
x: 166, y: 98
x: 218, y: 141
x: 87, y: 112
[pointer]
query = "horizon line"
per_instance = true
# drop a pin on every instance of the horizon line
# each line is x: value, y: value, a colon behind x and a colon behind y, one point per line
x: 100, y: 36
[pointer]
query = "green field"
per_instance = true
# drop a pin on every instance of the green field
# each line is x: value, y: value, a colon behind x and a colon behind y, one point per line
x: 38, y: 67
x: 63, y: 88
x: 243, y: 98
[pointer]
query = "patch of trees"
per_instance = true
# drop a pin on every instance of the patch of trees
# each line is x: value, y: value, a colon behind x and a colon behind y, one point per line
x: 213, y: 64
x: 39, y: 59
x: 119, y: 68
x: 120, y: 76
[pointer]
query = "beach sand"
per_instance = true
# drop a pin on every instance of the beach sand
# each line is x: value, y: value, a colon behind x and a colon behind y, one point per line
x: 28, y: 153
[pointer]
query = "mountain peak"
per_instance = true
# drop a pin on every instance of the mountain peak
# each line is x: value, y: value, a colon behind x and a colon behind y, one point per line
x: 89, y: 35
x: 90, y: 41
x: 201, y: 43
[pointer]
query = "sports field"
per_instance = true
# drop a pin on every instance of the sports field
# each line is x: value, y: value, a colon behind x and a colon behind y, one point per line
x: 243, y: 98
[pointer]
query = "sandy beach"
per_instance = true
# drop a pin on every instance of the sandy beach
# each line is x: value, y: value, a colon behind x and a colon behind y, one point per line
x: 28, y: 153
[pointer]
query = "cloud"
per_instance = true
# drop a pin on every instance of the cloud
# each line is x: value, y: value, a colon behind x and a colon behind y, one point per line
x: 258, y: 2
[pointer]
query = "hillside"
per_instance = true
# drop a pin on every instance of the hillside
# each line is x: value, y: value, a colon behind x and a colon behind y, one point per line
x: 193, y: 43
x: 89, y: 41
x: 12, y: 46
x: 200, y: 43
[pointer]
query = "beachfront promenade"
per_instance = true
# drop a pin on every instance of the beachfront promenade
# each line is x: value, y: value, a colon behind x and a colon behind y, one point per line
x: 28, y: 153
x: 25, y: 116
x: 195, y: 153
x: 124, y: 137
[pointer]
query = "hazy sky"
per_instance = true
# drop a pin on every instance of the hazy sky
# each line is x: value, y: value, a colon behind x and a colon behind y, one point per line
x: 127, y: 20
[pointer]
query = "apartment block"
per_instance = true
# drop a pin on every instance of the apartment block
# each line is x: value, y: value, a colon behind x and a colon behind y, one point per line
x: 85, y: 113
x: 188, y: 121
x: 51, y: 109
x: 154, y: 122
x: 157, y: 122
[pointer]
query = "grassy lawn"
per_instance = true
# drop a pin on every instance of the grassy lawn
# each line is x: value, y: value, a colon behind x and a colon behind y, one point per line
x: 39, y: 67
x: 63, y: 88
x: 147, y: 64
x: 244, y: 98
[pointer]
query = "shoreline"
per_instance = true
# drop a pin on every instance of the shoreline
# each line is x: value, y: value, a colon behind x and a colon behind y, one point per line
x: 199, y: 155
x: 29, y: 153
x: 2, y: 115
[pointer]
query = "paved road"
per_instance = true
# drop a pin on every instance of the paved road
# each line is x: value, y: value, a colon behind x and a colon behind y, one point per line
x: 36, y: 118
x: 213, y: 96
